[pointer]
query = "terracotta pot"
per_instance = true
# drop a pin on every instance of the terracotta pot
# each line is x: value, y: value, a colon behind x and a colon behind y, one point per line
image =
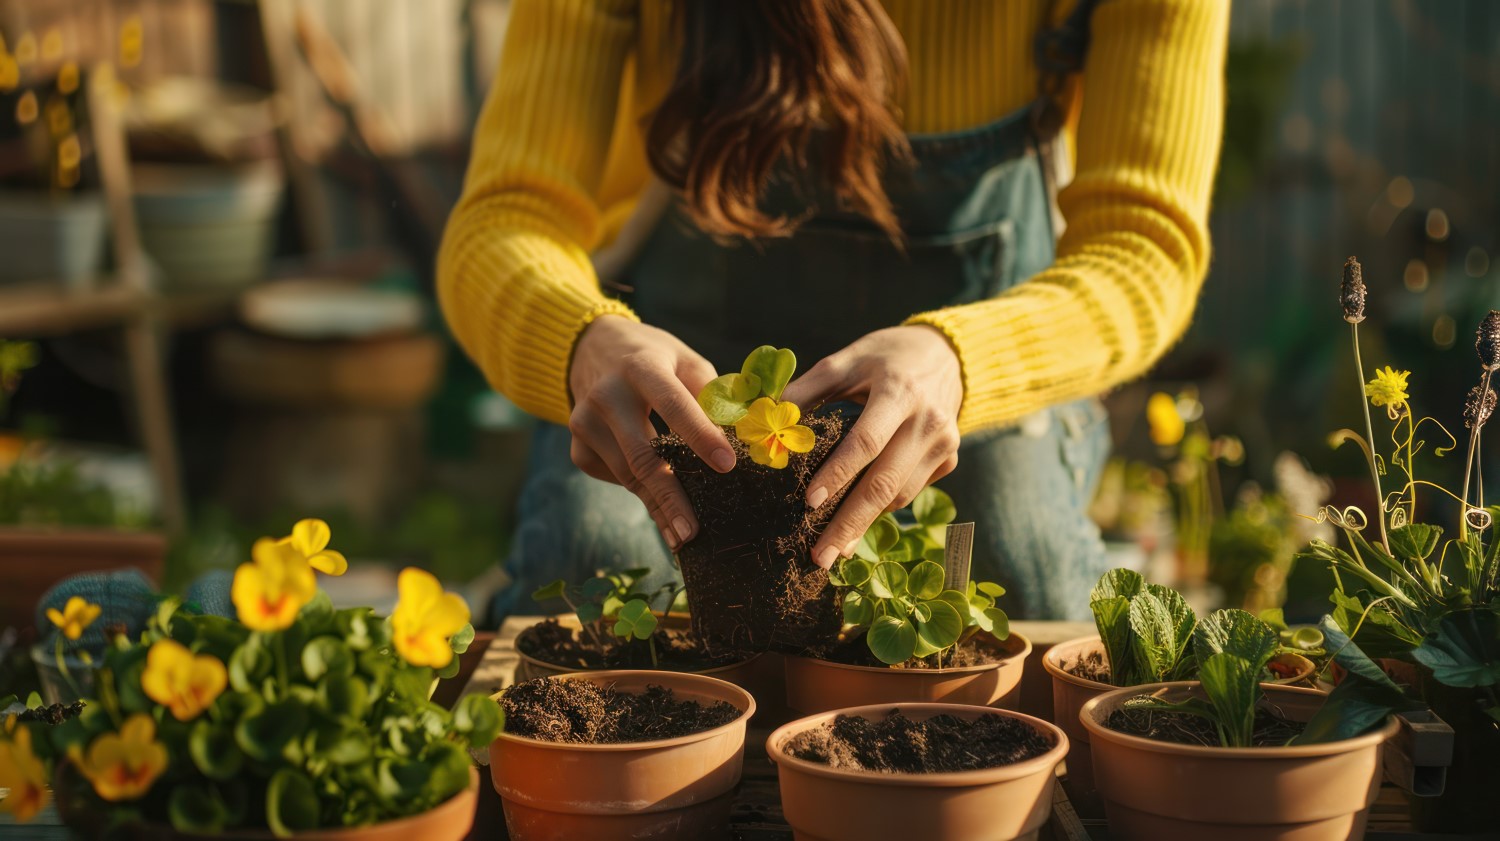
x: 1170, y: 792
x: 450, y: 821
x: 1069, y: 693
x: 387, y: 372
x: 33, y: 560
x: 814, y: 686
x: 744, y: 674
x: 667, y: 790
x: 990, y: 804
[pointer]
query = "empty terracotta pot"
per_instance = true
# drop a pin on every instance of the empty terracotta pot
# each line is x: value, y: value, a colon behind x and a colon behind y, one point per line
x: 991, y: 804
x: 667, y: 790
x: 1069, y: 693
x: 1170, y: 792
x: 814, y: 686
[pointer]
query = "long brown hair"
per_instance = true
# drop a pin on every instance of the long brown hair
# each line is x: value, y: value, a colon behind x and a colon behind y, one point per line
x: 755, y: 79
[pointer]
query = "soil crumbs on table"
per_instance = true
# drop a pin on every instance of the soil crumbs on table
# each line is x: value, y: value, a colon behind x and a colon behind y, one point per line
x: 677, y: 650
x: 584, y: 712
x: 897, y: 744
x: 1091, y: 666
x: 856, y: 652
x: 1271, y: 729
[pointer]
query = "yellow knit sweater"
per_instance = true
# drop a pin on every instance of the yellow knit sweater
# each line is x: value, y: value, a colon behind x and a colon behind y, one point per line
x: 558, y: 160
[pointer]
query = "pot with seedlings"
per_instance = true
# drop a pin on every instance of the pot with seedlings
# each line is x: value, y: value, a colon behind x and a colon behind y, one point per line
x: 620, y: 754
x: 912, y: 631
x: 939, y: 772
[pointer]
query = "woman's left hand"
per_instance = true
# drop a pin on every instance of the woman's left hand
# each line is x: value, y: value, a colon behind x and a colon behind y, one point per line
x: 911, y: 383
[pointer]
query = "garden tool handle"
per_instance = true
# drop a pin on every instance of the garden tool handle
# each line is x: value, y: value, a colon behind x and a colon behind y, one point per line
x: 1418, y: 756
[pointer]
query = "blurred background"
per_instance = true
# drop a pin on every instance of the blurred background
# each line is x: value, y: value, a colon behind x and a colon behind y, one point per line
x: 218, y: 222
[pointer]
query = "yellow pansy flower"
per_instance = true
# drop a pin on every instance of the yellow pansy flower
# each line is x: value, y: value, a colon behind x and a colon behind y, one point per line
x: 67, y: 77
x: 26, y: 108
x: 180, y: 681
x: 1388, y: 388
x: 310, y: 539
x: 75, y: 616
x: 268, y: 592
x: 772, y: 432
x: 1167, y: 425
x: 131, y: 36
x: 26, y: 49
x: 24, y: 774
x: 52, y: 44
x: 10, y: 73
x: 124, y: 765
x: 426, y: 618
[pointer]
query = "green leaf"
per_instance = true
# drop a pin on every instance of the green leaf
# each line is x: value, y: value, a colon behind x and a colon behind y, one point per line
x: 196, y: 808
x: 908, y: 548
x: 1232, y: 684
x: 925, y: 580
x: 250, y: 664
x: 1161, y: 625
x: 346, y: 696
x: 598, y: 587
x: 1464, y: 649
x: 317, y: 615
x: 932, y: 507
x: 291, y: 803
x: 878, y: 539
x: 727, y: 399
x: 554, y: 590
x: 999, y: 623
x: 888, y: 580
x: 590, y: 612
x: 1415, y: 540
x: 1362, y: 699
x: 855, y: 571
x: 1236, y: 632
x: 477, y: 719
x: 265, y: 734
x: 960, y: 603
x: 213, y: 750
x: 1307, y: 639
x: 1112, y: 618
x: 943, y: 628
x: 857, y: 608
x: 991, y: 589
x: 1117, y: 583
x: 1274, y: 617
x: 327, y: 656
x: 891, y: 640
x: 772, y: 367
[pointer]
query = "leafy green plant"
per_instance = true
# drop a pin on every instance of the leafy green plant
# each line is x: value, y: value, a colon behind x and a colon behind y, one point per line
x: 750, y: 401
x: 1146, y: 629
x: 609, y: 605
x: 894, y: 594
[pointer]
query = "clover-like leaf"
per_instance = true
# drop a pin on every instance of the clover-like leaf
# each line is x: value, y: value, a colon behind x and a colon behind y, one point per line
x: 878, y: 538
x: 932, y: 507
x: 550, y: 591
x: 327, y: 656
x: 597, y: 587
x: 196, y: 808
x: 347, y: 696
x: 943, y: 625
x: 635, y: 619
x: 991, y: 589
x: 727, y: 399
x: 772, y: 368
x: 996, y: 622
x: 266, y: 732
x: 590, y: 612
x: 857, y: 609
x: 892, y: 640
x: 213, y: 750
x: 925, y: 580
x: 478, y: 719
x: 888, y: 580
x: 960, y: 603
x: 291, y: 802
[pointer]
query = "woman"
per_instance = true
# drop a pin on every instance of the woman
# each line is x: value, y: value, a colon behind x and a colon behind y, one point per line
x: 867, y: 182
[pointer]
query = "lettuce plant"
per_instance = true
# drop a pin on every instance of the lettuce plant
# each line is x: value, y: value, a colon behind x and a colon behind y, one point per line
x: 609, y: 605
x: 894, y: 592
x: 1146, y: 629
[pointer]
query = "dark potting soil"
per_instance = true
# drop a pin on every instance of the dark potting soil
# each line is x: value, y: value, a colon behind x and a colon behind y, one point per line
x: 897, y: 744
x: 1271, y: 730
x: 677, y: 650
x: 855, y: 652
x: 583, y: 712
x: 751, y: 584
x: 1091, y: 666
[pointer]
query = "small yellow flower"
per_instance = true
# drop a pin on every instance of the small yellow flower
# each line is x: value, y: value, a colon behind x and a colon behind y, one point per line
x: 23, y: 773
x: 52, y: 44
x: 59, y: 118
x: 310, y: 539
x: 124, y: 765
x: 772, y: 432
x: 131, y: 36
x: 67, y: 78
x: 75, y: 616
x: 26, y: 49
x: 69, y: 153
x: 26, y: 109
x: 268, y: 592
x: 1167, y: 425
x: 426, y: 618
x: 183, y: 683
x: 10, y: 73
x: 1388, y: 388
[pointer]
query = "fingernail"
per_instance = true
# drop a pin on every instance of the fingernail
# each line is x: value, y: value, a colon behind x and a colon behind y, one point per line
x: 723, y: 459
x: 683, y: 531
x: 817, y: 498
x: 826, y: 557
x: 849, y: 550
x: 670, y: 538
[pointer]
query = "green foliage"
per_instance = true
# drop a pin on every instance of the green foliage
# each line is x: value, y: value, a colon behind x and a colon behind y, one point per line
x: 1362, y: 700
x: 766, y: 372
x: 610, y: 605
x: 893, y: 588
x: 1145, y: 629
x: 58, y: 495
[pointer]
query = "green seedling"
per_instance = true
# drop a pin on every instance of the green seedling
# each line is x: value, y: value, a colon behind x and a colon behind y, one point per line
x: 609, y: 605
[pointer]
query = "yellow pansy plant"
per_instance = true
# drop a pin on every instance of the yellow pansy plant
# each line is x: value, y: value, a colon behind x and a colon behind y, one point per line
x: 425, y: 619
x: 184, y: 683
x: 124, y: 765
x: 771, y: 431
x: 23, y: 773
x: 310, y: 539
x: 268, y: 591
x: 75, y: 617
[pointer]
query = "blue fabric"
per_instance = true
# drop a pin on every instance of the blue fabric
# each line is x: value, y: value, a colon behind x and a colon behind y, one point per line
x: 978, y: 219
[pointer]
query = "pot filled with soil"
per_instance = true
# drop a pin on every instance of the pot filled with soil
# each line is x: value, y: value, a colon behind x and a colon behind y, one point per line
x: 1165, y: 775
x: 620, y: 754
x: 1080, y: 673
x: 938, y: 772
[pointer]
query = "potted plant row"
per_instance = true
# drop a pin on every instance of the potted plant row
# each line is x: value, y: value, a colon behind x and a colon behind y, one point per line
x: 293, y: 720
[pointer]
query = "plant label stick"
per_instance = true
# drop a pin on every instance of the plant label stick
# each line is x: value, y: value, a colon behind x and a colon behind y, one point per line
x: 958, y: 554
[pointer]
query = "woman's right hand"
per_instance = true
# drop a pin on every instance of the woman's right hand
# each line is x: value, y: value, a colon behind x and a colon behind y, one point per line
x: 622, y: 371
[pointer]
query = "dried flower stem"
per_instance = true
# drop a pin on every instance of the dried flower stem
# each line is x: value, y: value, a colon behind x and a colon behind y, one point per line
x: 1473, y: 456
x: 1364, y: 402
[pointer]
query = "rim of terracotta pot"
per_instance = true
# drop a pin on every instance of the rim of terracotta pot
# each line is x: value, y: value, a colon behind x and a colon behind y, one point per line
x: 537, y: 661
x: 1052, y: 662
x: 945, y: 779
x: 1098, y: 731
x: 1006, y: 644
x: 683, y: 681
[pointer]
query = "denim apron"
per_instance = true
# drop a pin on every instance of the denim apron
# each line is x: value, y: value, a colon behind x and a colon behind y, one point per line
x: 978, y: 218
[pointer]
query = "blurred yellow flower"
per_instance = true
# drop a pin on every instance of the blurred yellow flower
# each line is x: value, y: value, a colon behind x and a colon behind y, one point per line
x: 1388, y: 388
x: 76, y: 615
x: 182, y: 682
x: 1167, y: 425
x: 131, y: 37
x: 268, y: 592
x: 23, y: 773
x: 69, y: 153
x: 26, y: 109
x: 772, y: 432
x: 52, y: 44
x: 26, y: 48
x: 426, y: 618
x: 10, y: 73
x: 67, y: 77
x: 310, y: 540
x: 59, y: 118
x: 124, y: 765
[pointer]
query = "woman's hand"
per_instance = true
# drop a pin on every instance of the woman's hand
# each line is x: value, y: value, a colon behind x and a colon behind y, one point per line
x: 621, y: 372
x: 911, y: 383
